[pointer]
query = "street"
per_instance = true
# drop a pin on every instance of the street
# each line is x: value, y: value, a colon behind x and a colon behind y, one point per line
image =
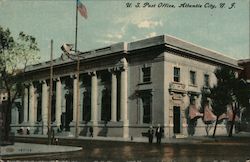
x: 107, y: 151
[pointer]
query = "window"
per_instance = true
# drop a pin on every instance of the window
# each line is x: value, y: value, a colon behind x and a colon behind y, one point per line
x: 192, y: 77
x: 206, y: 80
x: 146, y: 72
x: 146, y: 99
x: 176, y: 74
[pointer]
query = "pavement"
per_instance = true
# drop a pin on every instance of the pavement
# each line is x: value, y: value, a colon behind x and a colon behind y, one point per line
x: 30, y: 148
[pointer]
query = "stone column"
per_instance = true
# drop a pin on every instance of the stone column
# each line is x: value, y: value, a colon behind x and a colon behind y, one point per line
x: 45, y: 107
x: 124, y: 98
x: 94, y: 106
x: 74, y: 99
x: 58, y: 102
x: 31, y: 105
x: 35, y: 105
x: 94, y: 112
x: 113, y: 97
x: 25, y: 105
x: 63, y: 101
x: 14, y: 115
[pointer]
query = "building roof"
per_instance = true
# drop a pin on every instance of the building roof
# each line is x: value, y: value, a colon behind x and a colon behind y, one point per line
x: 162, y: 40
x: 244, y: 61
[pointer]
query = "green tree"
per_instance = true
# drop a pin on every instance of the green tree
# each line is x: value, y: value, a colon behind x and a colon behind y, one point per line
x: 241, y: 100
x: 15, y: 55
x: 221, y: 94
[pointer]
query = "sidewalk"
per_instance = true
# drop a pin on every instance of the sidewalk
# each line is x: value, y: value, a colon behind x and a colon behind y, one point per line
x: 30, y: 149
x: 242, y: 138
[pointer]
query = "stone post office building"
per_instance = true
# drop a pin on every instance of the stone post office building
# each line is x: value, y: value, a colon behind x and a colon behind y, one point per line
x: 124, y: 88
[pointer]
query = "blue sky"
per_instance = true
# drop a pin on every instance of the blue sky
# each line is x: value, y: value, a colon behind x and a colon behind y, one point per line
x: 109, y: 21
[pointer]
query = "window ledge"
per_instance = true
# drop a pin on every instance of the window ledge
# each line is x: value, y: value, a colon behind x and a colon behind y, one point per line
x: 193, y: 85
x: 144, y: 83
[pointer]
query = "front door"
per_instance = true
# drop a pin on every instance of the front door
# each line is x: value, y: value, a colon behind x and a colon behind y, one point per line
x: 177, y: 120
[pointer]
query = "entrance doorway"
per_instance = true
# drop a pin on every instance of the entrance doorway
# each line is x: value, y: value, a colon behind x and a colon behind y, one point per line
x: 177, y: 120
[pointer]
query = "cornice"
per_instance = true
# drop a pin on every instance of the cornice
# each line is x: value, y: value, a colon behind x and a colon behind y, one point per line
x: 159, y: 43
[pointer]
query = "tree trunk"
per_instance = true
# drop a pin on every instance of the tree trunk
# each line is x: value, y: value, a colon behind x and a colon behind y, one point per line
x: 207, y: 129
x: 230, y: 134
x: 8, y: 119
x: 215, y: 126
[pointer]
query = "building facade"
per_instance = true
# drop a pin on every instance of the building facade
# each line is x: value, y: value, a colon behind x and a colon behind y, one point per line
x: 124, y: 89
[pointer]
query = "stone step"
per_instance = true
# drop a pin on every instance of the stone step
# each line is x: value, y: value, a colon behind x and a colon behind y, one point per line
x: 65, y: 134
x: 180, y: 136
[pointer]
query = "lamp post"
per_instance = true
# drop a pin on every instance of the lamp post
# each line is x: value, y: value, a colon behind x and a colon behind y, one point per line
x: 67, y: 49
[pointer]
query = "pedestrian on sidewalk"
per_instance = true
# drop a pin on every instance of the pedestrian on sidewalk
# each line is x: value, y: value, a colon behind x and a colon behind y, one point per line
x: 158, y: 133
x: 28, y: 130
x: 150, y: 134
x: 91, y: 131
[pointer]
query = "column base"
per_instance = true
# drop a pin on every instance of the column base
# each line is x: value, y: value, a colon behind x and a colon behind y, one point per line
x: 72, y: 126
x: 94, y: 125
x: 126, y: 129
x: 45, y: 129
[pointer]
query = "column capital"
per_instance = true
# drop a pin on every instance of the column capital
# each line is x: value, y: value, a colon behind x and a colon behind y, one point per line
x: 121, y: 65
x: 27, y: 84
x: 124, y: 62
x: 92, y: 73
x: 57, y: 79
x: 42, y: 81
x: 117, y: 69
x: 73, y: 76
x: 113, y: 70
x: 124, y: 68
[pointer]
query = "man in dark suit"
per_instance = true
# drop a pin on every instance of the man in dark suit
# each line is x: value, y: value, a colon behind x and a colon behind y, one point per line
x: 150, y: 134
x: 158, y: 133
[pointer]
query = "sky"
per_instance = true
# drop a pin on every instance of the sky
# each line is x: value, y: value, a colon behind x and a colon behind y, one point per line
x: 110, y: 21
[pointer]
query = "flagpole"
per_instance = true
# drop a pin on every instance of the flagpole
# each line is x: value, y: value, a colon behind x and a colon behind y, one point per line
x: 76, y: 25
x: 77, y: 75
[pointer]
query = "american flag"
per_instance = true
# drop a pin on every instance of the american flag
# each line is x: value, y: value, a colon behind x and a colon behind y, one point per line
x: 193, y: 112
x: 82, y: 9
x: 208, y: 114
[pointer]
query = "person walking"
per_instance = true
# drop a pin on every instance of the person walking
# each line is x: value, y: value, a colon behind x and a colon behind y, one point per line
x: 150, y: 134
x: 91, y: 131
x: 158, y: 133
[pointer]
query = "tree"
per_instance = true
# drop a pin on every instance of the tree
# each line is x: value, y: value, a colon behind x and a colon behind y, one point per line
x: 221, y: 94
x: 241, y: 100
x: 15, y: 55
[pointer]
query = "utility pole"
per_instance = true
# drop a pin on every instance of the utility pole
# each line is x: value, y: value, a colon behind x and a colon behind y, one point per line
x: 50, y: 93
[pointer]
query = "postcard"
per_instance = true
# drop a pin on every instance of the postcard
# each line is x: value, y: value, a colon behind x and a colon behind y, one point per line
x: 125, y: 80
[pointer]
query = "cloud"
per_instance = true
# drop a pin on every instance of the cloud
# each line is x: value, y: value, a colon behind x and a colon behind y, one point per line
x: 148, y: 24
x: 103, y: 41
x: 112, y: 37
x: 141, y: 19
x: 152, y: 34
